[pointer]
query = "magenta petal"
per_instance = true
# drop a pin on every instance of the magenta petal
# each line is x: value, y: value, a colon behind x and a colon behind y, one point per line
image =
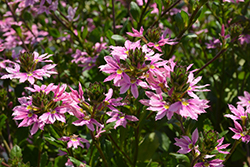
x: 134, y: 90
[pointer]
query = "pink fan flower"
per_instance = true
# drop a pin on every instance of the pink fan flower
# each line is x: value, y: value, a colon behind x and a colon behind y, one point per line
x: 212, y: 163
x: 192, y: 85
x: 120, y: 118
x: 126, y: 83
x: 86, y: 120
x: 136, y: 33
x: 219, y: 147
x: 186, y: 144
x: 189, y: 108
x: 245, y: 100
x: 110, y: 103
x: 156, y: 103
x: 53, y: 115
x: 112, y: 67
x: 240, y: 133
x: 74, y: 141
x: 239, y: 113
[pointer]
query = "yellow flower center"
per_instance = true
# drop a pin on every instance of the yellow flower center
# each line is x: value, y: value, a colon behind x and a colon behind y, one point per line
x: 243, y: 134
x: 190, y: 146
x: 30, y: 74
x: 206, y: 164
x: 126, y: 52
x: 73, y: 139
x: 119, y: 71
x: 152, y: 67
x: 53, y: 111
x: 189, y: 88
x: 133, y: 81
x: 249, y: 101
x: 184, y: 103
x: 166, y: 106
x: 156, y: 45
x: 30, y: 115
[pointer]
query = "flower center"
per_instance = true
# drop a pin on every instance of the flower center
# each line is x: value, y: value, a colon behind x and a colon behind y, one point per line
x: 133, y: 81
x: 30, y: 115
x: 152, y: 67
x: 73, y: 139
x: 189, y: 88
x: 166, y: 106
x: 243, y: 134
x: 206, y: 164
x: 184, y: 103
x: 190, y: 146
x: 53, y: 112
x: 30, y: 74
x: 249, y: 101
x: 126, y: 52
x: 156, y: 45
x: 119, y: 71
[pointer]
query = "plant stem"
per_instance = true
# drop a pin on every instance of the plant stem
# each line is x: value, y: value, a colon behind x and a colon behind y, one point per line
x: 232, y: 150
x: 123, y: 153
x: 142, y: 14
x: 191, y: 21
x: 99, y: 149
x: 182, y: 128
x: 167, y: 10
x: 216, y: 57
x: 113, y: 14
x: 136, y: 145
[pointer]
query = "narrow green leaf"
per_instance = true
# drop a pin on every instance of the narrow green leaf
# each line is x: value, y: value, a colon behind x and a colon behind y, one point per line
x: 54, y: 32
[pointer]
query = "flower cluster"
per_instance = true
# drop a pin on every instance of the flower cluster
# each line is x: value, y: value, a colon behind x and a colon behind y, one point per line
x: 26, y: 68
x: 202, y: 153
x: 240, y: 118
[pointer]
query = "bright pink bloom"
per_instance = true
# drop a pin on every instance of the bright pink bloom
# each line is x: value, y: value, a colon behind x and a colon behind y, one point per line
x: 86, y: 120
x: 189, y: 108
x: 245, y: 100
x: 219, y: 147
x: 212, y: 163
x: 239, y: 113
x: 74, y: 141
x: 240, y: 133
x: 120, y: 118
x: 136, y: 33
x: 186, y: 144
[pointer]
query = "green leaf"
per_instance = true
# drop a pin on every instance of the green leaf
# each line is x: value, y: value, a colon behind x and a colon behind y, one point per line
x: 15, y: 152
x: 181, y: 157
x: 119, y: 39
x: 179, y: 21
x: 148, y: 147
x: 27, y: 16
x: 53, y: 132
x: 60, y: 161
x: 54, y: 32
x: 109, y: 34
x: 84, y: 33
x: 95, y: 35
x: 185, y: 18
x: 44, y: 159
x: 3, y: 117
x: 135, y: 11
x: 77, y: 162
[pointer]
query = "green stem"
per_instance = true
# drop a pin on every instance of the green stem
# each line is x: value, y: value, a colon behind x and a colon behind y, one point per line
x: 97, y: 144
x: 136, y: 145
x: 232, y: 150
x: 216, y: 57
x: 142, y: 14
x: 123, y: 153
x: 180, y: 120
x: 167, y: 10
